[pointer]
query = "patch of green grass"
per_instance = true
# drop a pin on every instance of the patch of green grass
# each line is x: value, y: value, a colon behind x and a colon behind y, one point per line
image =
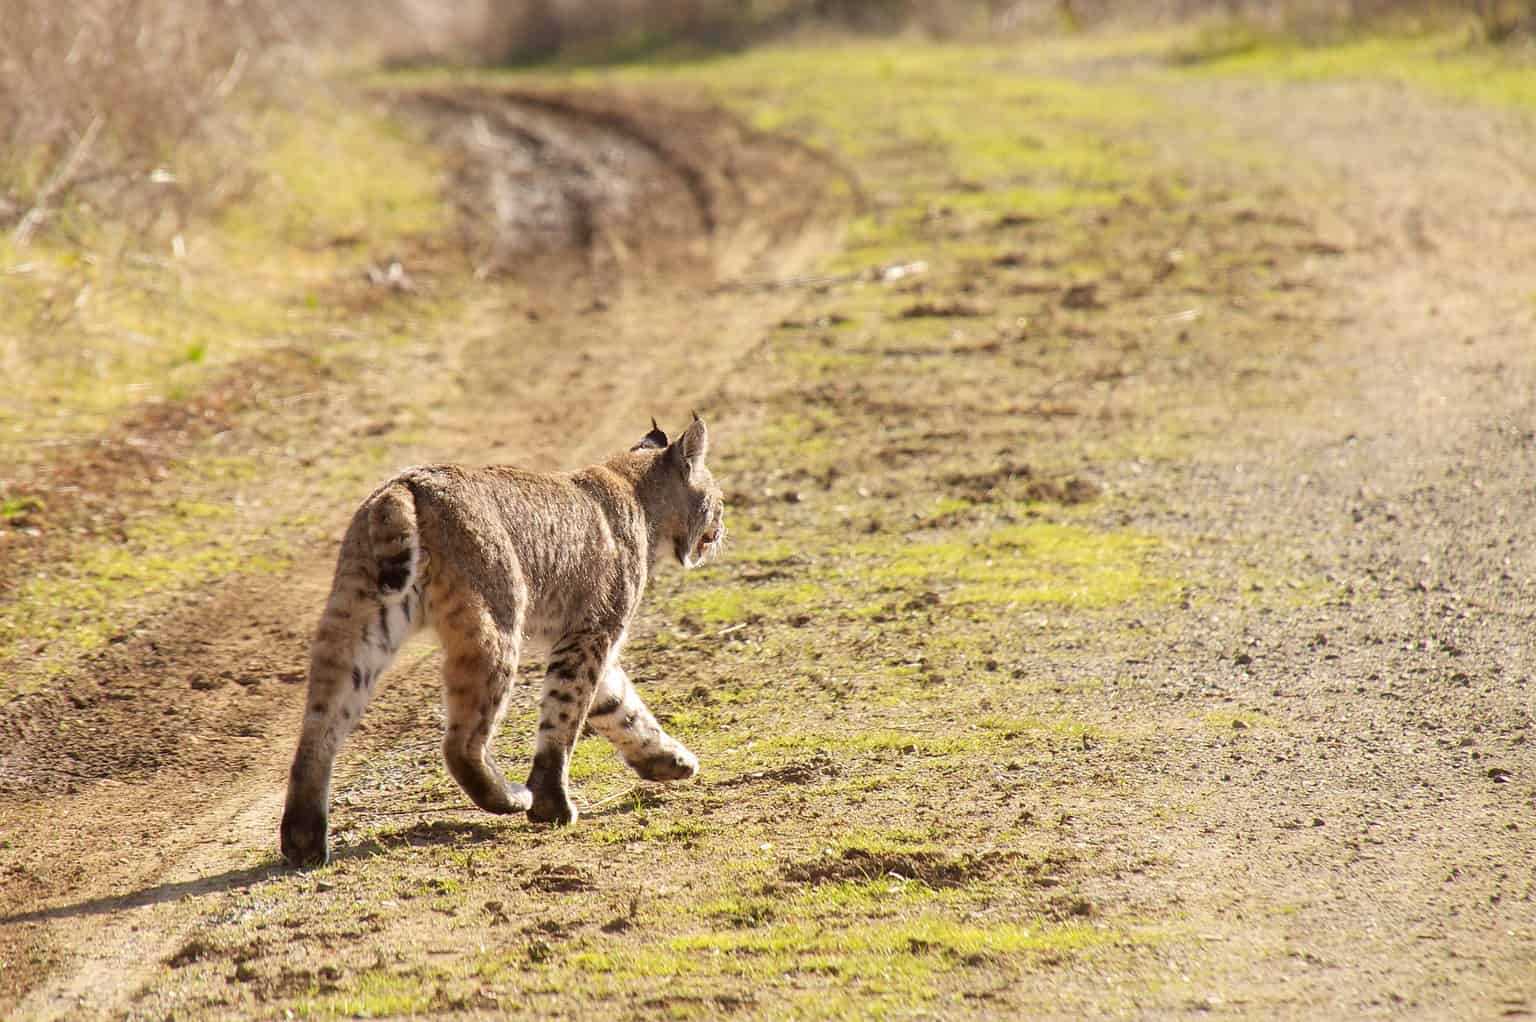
x: 376, y: 993
x: 759, y: 549
x: 1041, y: 563
x: 594, y: 761
x: 648, y: 963
x: 916, y: 946
x: 1061, y: 727
x: 1439, y: 62
x: 641, y: 828
x: 13, y: 508
x: 324, y: 183
x: 193, y: 354
x: 862, y: 896
x: 814, y: 363
x: 730, y: 603
x: 952, y: 505
x: 739, y: 910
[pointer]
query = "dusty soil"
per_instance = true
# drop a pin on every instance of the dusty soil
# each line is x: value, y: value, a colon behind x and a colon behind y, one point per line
x: 1324, y: 782
x: 1376, y: 851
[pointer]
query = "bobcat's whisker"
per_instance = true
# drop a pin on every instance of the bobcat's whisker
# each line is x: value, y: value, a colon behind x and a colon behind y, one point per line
x: 614, y: 797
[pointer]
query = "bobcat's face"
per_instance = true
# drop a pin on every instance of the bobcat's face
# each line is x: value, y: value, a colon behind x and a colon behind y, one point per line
x: 695, y: 511
x: 704, y: 530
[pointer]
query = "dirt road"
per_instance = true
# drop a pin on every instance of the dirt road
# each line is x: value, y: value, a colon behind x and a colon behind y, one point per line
x: 1376, y: 848
x: 1300, y: 783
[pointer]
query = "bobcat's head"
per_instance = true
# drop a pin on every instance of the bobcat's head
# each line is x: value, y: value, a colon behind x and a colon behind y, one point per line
x: 692, y: 511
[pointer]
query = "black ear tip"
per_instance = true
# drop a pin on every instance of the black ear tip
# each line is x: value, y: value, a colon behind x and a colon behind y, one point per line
x: 655, y: 440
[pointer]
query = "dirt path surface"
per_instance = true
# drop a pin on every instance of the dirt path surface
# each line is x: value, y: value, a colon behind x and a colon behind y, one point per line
x: 1303, y: 785
x: 121, y: 794
x: 1371, y: 854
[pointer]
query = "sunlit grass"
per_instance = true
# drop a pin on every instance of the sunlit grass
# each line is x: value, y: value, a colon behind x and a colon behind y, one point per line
x: 1446, y: 63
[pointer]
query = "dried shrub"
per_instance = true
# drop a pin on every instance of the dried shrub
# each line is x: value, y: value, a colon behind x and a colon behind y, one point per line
x: 100, y: 98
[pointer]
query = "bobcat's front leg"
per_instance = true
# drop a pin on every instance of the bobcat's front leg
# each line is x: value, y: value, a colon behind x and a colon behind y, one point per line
x: 576, y: 663
x: 619, y: 715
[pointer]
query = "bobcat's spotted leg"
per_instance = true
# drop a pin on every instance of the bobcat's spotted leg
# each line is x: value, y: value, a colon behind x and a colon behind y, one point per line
x: 479, y: 665
x: 620, y: 716
x: 576, y: 663
x: 357, y: 638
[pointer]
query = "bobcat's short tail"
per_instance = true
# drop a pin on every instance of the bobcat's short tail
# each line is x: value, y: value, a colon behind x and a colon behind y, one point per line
x: 396, y: 543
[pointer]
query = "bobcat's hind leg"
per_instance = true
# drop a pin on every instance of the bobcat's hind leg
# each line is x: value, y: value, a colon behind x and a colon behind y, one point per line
x: 479, y: 666
x: 356, y: 640
x: 619, y: 715
x: 576, y: 663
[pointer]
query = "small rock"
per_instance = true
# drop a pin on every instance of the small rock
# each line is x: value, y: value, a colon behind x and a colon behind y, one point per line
x: 1081, y: 296
x: 392, y: 277
x: 943, y: 310
x: 897, y: 271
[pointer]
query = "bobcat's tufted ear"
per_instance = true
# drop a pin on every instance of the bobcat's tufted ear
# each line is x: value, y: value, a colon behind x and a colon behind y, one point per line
x: 655, y: 440
x: 692, y: 447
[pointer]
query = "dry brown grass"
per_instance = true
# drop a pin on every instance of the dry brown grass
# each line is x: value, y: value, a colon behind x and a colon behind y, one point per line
x: 524, y: 31
x: 99, y: 100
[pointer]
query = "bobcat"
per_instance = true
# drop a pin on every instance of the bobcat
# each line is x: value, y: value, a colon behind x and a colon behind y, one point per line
x: 489, y: 557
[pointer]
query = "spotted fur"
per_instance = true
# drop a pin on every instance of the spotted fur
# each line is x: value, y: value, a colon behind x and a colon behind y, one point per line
x: 491, y: 558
